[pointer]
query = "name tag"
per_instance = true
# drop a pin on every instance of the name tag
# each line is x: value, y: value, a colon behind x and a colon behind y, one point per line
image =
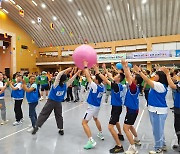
x: 100, y: 95
x: 59, y: 93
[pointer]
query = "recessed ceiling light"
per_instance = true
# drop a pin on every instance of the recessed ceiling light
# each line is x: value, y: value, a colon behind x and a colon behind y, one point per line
x: 108, y: 7
x: 19, y: 7
x: 34, y: 3
x: 33, y: 22
x: 54, y: 18
x: 144, y: 1
x: 5, y: 11
x: 43, y: 5
x: 70, y: 0
x: 13, y: 2
x: 79, y: 13
x: 6, y: 0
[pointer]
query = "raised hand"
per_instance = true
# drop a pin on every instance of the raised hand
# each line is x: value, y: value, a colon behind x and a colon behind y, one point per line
x: 164, y: 69
x: 104, y: 66
x: 85, y: 63
x: 124, y: 63
x: 136, y: 68
x: 96, y: 68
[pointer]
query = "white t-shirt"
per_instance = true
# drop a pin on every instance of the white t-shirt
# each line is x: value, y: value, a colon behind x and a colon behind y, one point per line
x: 159, y: 87
x: 94, y: 86
x: 19, y: 86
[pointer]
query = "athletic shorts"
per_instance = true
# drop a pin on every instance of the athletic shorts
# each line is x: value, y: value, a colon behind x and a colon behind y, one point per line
x: 92, y: 111
x: 44, y: 87
x: 130, y: 118
x: 115, y: 114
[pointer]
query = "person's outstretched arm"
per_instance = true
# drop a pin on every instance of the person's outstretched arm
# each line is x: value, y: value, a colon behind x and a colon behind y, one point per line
x: 69, y: 82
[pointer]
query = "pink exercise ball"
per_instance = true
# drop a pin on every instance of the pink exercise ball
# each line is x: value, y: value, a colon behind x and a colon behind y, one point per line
x: 84, y: 52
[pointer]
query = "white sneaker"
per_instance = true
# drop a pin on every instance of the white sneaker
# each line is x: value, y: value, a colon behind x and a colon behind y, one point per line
x: 41, y: 98
x: 30, y: 125
x: 100, y: 135
x: 160, y: 151
x: 46, y: 97
x: 22, y: 120
x: 4, y: 122
x: 17, y: 123
x: 137, y: 142
x: 30, y: 130
x: 131, y: 151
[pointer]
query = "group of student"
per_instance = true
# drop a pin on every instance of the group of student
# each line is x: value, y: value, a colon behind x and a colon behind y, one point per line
x: 157, y: 106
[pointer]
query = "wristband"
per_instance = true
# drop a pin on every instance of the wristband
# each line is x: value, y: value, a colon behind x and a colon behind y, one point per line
x: 85, y: 67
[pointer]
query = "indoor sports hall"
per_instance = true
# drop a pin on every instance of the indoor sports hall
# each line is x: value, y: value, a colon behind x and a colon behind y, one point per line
x: 89, y: 76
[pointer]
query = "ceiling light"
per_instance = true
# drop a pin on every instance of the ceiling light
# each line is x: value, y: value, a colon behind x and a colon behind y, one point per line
x: 5, y: 11
x: 108, y: 7
x: 19, y: 7
x: 13, y: 2
x: 54, y: 18
x: 133, y: 17
x: 34, y: 3
x: 79, y: 13
x: 33, y: 22
x: 70, y: 0
x: 144, y: 1
x: 6, y: 0
x: 43, y: 5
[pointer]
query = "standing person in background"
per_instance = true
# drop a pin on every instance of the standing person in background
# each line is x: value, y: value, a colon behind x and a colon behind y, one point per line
x: 108, y: 92
x: 49, y: 75
x: 176, y: 87
x: 76, y: 85
x: 146, y: 87
x: 69, y: 89
x: 157, y: 107
x: 83, y: 88
x: 44, y: 82
x: 25, y: 77
x: 17, y: 95
x: 32, y: 99
x: 2, y: 102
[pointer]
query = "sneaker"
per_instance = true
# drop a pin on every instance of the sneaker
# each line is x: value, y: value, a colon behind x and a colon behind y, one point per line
x: 121, y: 137
x: 30, y: 130
x: 61, y: 132
x: 100, y: 135
x: 4, y: 122
x: 75, y: 101
x: 35, y: 130
x: 164, y: 148
x: 172, y: 108
x: 160, y: 151
x: 22, y: 120
x: 41, y: 98
x: 176, y: 148
x: 46, y: 97
x: 131, y: 150
x: 90, y: 145
x: 137, y: 142
x: 17, y: 123
x: 117, y: 149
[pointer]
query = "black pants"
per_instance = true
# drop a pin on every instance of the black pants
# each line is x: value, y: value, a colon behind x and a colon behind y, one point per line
x: 18, y: 110
x: 146, y: 93
x: 46, y: 111
x: 177, y: 126
x: 69, y: 94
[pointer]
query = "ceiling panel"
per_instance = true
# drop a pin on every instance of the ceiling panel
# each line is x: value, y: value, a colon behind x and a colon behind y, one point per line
x: 127, y: 19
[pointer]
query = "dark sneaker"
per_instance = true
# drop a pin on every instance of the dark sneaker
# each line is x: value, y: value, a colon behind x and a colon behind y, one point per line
x: 121, y: 137
x: 117, y: 149
x: 176, y: 148
x: 35, y: 130
x: 61, y: 132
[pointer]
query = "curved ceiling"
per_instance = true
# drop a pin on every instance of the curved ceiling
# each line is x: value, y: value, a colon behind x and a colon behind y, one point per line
x: 126, y: 19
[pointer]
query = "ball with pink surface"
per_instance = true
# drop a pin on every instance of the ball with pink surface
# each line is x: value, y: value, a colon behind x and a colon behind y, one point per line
x: 84, y: 53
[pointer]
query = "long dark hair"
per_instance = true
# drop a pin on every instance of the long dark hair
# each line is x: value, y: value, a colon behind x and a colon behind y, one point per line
x: 162, y: 78
x: 62, y: 79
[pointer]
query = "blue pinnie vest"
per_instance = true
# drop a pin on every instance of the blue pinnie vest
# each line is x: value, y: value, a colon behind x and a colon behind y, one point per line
x: 157, y: 99
x: 57, y: 94
x: 95, y: 98
x: 132, y: 100
x: 32, y: 97
x: 17, y: 94
x: 116, y: 98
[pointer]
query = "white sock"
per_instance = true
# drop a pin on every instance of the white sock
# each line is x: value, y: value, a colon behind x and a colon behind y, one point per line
x: 136, y: 138
x: 91, y: 139
x: 133, y: 146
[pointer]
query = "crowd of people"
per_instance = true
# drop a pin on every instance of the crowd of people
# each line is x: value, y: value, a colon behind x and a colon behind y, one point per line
x: 119, y: 87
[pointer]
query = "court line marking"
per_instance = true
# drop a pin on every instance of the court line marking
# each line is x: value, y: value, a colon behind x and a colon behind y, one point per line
x: 28, y: 127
